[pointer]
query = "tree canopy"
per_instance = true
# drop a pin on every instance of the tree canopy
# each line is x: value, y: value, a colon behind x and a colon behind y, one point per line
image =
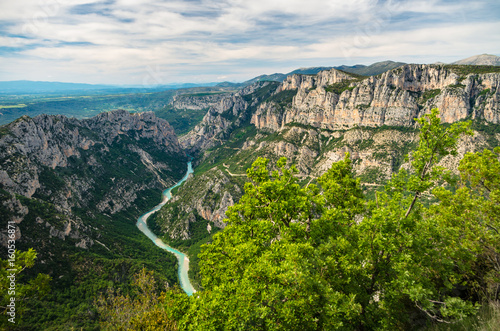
x: 15, y: 291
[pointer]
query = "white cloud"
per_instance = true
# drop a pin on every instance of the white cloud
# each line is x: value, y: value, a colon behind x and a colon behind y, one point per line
x: 116, y: 41
x: 442, y: 40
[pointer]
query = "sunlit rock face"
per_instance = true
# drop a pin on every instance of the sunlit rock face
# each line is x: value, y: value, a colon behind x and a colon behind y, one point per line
x: 394, y: 98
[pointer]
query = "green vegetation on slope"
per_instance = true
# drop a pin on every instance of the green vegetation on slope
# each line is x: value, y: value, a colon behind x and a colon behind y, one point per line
x: 182, y: 121
x: 338, y: 88
x: 353, y: 75
x: 198, y: 236
x: 218, y: 155
x: 79, y: 275
x: 427, y: 95
x: 464, y: 70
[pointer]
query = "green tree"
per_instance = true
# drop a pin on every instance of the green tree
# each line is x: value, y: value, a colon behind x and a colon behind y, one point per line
x: 261, y: 272
x: 15, y: 291
x: 144, y: 309
x: 474, y: 210
x: 410, y: 260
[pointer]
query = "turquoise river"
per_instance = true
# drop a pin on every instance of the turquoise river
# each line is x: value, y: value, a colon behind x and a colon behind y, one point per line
x: 181, y: 257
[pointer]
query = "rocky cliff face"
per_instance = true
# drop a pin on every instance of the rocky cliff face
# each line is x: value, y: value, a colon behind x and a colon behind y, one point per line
x: 323, y: 78
x: 100, y: 165
x: 333, y: 100
x: 216, y: 123
x: 336, y: 100
x: 195, y: 102
x: 224, y: 116
x: 111, y: 125
x: 206, y: 196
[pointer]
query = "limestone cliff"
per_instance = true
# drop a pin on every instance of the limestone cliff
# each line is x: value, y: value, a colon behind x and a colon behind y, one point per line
x: 216, y: 123
x: 322, y: 79
x: 227, y: 114
x: 111, y: 125
x: 333, y: 100
x: 195, y: 102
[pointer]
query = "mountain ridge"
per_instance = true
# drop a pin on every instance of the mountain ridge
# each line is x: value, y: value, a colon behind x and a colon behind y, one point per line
x: 359, y: 69
x: 482, y: 59
x: 393, y: 98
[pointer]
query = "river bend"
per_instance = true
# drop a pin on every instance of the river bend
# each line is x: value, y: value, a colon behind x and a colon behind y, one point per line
x: 181, y: 257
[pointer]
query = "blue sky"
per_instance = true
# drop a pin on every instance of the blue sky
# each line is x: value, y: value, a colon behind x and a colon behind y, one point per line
x: 160, y: 42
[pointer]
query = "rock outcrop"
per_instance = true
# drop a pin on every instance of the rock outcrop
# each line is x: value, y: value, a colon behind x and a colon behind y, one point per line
x: 218, y: 120
x: 196, y: 102
x: 110, y: 125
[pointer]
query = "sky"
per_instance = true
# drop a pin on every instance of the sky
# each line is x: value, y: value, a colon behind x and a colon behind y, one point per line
x: 155, y: 42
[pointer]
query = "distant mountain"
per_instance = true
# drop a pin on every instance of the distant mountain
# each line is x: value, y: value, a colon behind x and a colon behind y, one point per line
x: 351, y: 69
x: 308, y: 71
x: 37, y: 87
x: 183, y: 86
x: 276, y: 77
x: 371, y: 70
x: 483, y: 59
x: 359, y: 69
x: 26, y: 86
x: 279, y: 77
x: 229, y: 85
